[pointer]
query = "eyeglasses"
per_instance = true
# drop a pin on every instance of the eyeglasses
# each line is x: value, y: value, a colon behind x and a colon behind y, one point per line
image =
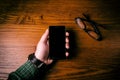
x: 89, y: 27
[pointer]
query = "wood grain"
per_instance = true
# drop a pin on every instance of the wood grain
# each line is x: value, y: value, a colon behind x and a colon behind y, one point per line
x: 23, y: 24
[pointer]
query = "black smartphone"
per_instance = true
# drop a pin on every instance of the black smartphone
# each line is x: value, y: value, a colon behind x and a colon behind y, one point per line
x: 57, y: 42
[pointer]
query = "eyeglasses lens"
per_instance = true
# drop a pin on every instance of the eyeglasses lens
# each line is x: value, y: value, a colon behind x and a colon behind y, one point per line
x: 80, y: 23
x: 93, y: 34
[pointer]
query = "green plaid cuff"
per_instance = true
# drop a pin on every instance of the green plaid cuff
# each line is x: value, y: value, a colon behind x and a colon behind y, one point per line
x: 27, y: 71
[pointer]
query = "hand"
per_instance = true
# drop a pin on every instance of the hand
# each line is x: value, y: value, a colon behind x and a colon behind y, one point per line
x: 42, y: 50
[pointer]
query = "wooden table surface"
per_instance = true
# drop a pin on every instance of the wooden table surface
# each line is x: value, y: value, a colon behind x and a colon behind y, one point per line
x: 22, y: 23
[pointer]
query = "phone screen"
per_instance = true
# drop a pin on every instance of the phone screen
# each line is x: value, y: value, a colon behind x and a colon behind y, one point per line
x: 57, y: 42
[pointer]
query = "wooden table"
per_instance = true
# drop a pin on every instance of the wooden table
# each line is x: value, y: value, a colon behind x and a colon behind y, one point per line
x: 24, y: 22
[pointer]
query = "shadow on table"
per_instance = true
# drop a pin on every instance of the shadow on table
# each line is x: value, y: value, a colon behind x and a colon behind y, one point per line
x: 73, y: 44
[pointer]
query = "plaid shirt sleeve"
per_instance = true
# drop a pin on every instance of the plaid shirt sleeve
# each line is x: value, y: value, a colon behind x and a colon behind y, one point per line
x: 26, y: 72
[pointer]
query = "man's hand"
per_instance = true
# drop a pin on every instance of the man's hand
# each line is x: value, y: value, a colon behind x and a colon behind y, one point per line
x: 42, y: 50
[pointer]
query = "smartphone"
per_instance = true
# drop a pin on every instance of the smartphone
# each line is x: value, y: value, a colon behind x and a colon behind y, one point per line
x: 57, y: 42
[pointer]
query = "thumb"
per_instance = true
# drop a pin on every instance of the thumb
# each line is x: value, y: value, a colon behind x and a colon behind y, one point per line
x: 45, y: 36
